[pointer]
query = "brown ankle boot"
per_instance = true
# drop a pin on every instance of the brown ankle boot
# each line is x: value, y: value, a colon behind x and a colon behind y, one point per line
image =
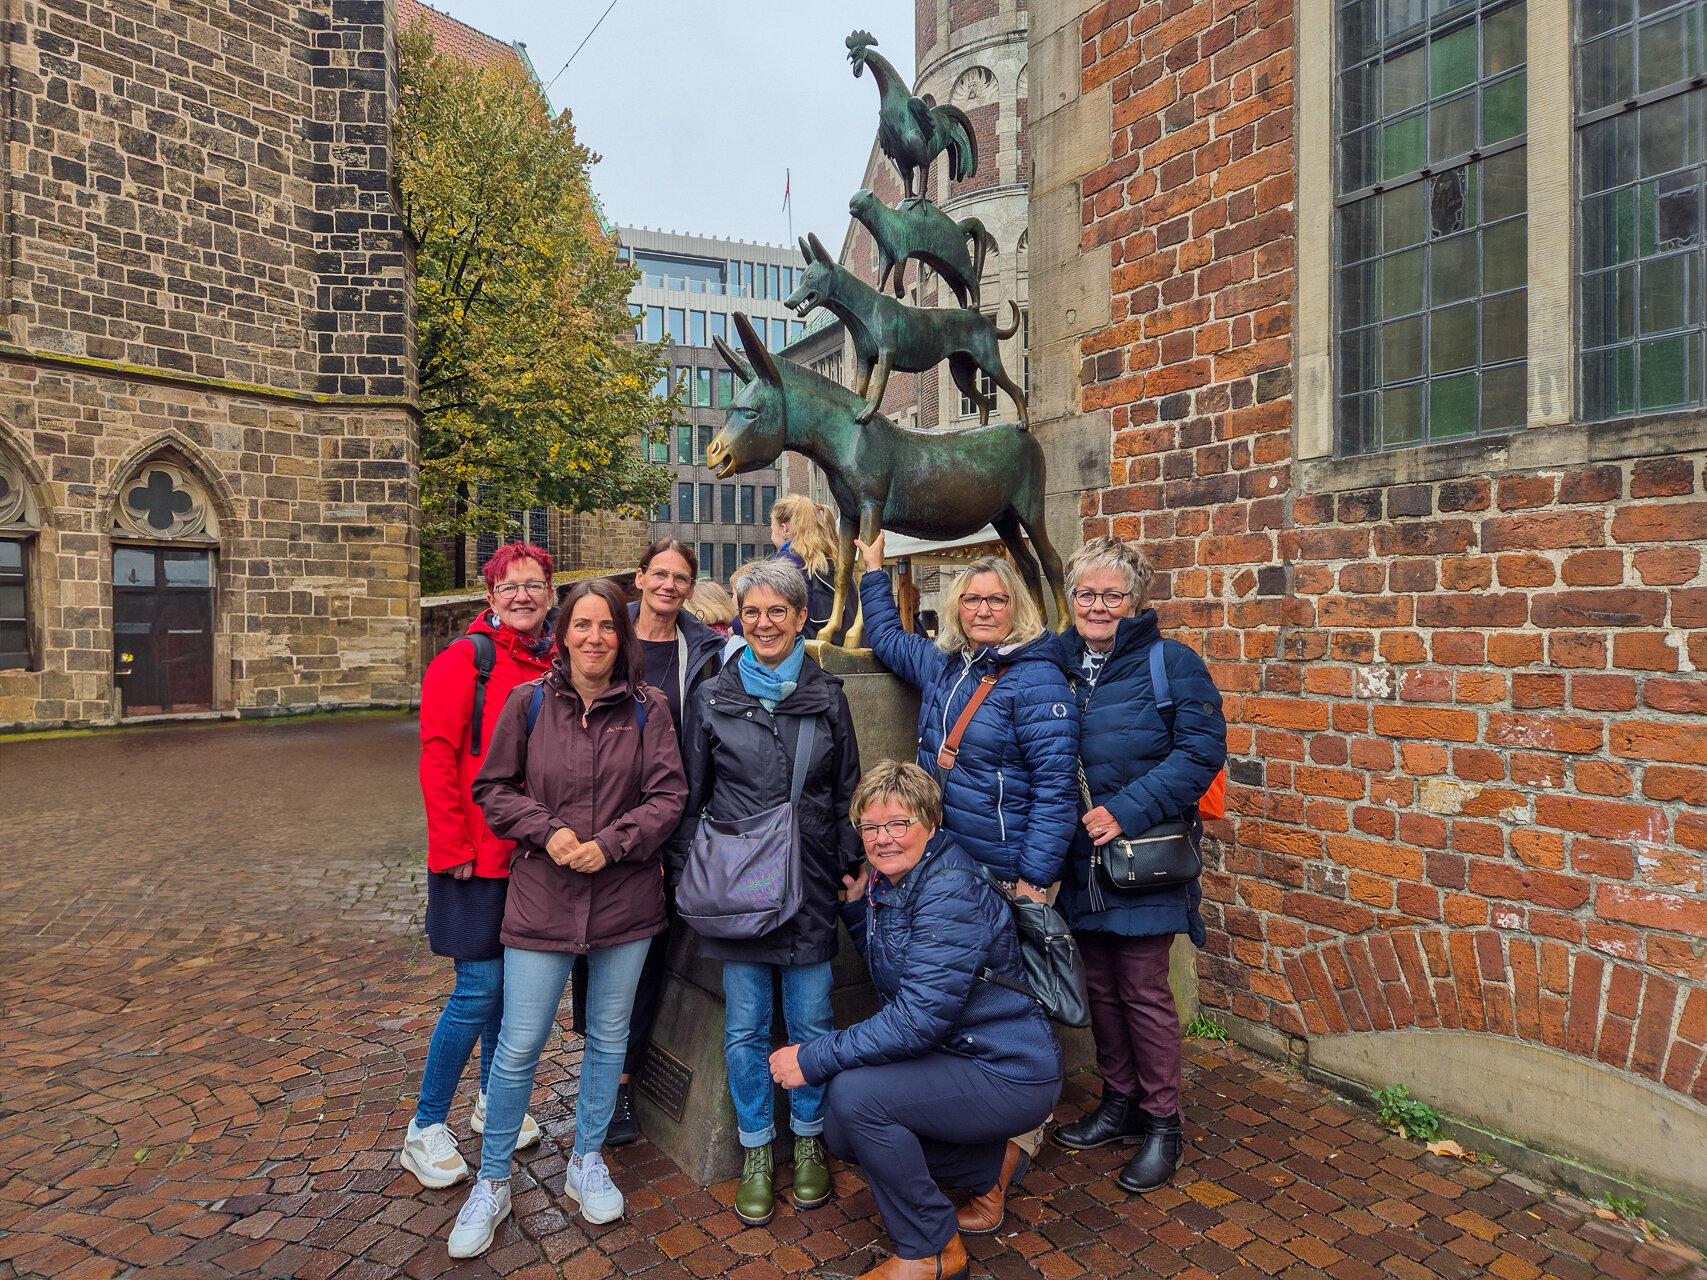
x: 982, y: 1215
x: 950, y: 1264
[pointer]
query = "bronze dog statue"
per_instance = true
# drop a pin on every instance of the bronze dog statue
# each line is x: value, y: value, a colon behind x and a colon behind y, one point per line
x: 925, y: 484
x: 888, y: 335
x: 918, y: 229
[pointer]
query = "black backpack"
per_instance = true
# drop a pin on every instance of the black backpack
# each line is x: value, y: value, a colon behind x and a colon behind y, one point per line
x: 485, y: 658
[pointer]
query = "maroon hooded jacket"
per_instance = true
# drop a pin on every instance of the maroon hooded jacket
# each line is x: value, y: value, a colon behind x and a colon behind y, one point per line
x: 590, y: 769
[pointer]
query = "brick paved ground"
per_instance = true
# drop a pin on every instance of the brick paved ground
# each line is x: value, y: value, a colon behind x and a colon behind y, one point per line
x: 214, y: 1006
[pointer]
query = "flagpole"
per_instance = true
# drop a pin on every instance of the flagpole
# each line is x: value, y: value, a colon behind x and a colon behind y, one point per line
x: 788, y: 200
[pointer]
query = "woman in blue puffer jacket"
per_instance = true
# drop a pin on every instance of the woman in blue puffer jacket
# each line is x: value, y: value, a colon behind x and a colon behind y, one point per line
x: 929, y: 1089
x: 1144, y: 762
x: 1011, y: 798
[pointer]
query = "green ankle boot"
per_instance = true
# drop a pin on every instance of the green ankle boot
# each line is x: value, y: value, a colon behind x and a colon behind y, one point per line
x: 755, y: 1198
x: 811, y: 1173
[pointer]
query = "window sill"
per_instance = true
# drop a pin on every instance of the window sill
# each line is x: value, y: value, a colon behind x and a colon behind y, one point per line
x: 1565, y: 445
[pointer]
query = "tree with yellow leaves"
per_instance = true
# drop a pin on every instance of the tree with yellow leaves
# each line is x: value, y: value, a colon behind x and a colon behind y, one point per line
x: 534, y: 392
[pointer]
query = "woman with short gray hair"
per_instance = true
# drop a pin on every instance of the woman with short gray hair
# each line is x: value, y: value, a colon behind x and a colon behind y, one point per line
x: 741, y: 752
x: 1147, y: 754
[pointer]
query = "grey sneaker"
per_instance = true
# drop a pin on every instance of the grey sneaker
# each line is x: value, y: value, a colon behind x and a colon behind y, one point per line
x: 432, y: 1156
x: 487, y: 1206
x: 587, y: 1182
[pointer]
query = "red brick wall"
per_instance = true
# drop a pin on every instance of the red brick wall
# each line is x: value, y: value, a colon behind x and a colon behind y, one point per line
x: 1467, y: 717
x: 984, y: 121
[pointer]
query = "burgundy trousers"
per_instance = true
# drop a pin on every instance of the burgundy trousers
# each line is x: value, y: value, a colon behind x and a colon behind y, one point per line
x: 1133, y: 1017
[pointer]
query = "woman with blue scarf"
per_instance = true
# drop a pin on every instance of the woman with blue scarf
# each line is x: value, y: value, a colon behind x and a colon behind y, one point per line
x: 739, y: 751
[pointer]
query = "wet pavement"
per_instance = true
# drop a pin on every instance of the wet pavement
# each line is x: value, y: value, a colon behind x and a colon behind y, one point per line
x: 215, y: 1002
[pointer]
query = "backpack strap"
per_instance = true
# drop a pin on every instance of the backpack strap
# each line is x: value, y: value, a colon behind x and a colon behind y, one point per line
x: 950, y: 751
x: 485, y: 659
x: 1159, y: 686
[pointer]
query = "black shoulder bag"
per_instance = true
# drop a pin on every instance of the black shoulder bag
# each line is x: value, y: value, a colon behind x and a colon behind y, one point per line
x: 1165, y: 856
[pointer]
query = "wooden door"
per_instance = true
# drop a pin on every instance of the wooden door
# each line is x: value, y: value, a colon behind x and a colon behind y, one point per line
x: 163, y: 629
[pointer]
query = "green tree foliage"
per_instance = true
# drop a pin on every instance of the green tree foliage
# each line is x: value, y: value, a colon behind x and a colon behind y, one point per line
x: 533, y: 392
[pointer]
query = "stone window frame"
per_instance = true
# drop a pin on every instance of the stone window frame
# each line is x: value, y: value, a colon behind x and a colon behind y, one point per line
x: 20, y: 522
x: 1554, y: 435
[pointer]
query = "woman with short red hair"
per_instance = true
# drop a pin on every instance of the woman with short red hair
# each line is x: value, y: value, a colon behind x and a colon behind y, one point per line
x: 468, y: 867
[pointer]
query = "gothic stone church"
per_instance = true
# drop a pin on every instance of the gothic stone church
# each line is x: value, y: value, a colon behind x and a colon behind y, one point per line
x: 207, y: 414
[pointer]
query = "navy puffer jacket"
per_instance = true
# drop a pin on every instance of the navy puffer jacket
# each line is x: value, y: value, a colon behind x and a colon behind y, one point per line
x: 1139, y: 772
x: 924, y: 941
x: 1011, y: 799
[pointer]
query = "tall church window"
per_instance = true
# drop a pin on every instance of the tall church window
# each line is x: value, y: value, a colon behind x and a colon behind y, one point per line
x: 1431, y: 194
x: 1640, y: 171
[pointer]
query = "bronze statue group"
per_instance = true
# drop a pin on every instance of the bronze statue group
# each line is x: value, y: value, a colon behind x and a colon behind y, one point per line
x: 600, y: 774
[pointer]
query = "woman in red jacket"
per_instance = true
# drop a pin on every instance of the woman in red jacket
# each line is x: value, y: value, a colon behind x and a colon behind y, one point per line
x: 468, y: 867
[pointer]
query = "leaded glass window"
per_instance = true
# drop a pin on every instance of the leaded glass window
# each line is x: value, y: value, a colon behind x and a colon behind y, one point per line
x: 1432, y: 228
x: 1640, y: 175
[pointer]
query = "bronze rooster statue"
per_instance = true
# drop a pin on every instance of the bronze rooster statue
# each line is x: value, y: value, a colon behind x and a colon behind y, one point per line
x: 914, y: 131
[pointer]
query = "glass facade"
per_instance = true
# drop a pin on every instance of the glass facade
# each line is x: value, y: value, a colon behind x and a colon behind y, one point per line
x: 1432, y: 229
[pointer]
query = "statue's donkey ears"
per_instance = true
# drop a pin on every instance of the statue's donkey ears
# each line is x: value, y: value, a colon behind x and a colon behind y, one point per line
x: 806, y: 252
x: 763, y: 365
x: 742, y: 369
x: 819, y: 249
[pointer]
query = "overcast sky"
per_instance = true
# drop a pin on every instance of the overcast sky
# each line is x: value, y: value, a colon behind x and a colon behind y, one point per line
x: 698, y: 107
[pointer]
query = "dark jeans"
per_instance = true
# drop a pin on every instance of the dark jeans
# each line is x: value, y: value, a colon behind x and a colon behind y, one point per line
x: 648, y: 996
x: 1133, y: 1017
x: 911, y: 1125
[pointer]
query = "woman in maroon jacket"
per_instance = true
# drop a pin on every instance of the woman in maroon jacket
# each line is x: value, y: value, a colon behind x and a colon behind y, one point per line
x: 468, y: 868
x: 584, y: 774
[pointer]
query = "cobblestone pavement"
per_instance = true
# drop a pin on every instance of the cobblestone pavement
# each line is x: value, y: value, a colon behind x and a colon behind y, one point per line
x: 214, y: 1007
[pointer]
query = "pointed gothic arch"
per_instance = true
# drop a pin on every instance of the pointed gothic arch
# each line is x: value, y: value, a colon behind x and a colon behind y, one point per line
x: 167, y: 488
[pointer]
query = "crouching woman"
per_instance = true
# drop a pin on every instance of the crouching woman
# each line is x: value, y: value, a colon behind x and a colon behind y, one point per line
x: 930, y: 1089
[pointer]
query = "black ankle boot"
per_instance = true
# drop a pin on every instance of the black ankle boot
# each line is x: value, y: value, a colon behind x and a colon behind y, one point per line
x: 624, y: 1128
x: 1116, y: 1119
x: 1158, y: 1157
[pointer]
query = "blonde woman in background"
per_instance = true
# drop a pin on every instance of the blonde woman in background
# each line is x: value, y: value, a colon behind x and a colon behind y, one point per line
x: 804, y: 535
x: 711, y: 604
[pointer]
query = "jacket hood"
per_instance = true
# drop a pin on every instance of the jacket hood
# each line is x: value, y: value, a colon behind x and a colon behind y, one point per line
x: 1138, y: 632
x: 486, y: 623
x: 557, y: 680
x: 703, y: 642
x: 1046, y: 648
x: 815, y: 694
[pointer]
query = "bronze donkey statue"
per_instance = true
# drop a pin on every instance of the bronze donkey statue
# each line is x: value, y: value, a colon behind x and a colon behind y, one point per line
x: 918, y: 229
x: 888, y: 335
x: 925, y: 484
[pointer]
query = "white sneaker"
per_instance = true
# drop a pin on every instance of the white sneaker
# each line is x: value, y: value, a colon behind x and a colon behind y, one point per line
x: 588, y: 1183
x: 487, y: 1205
x: 526, y: 1138
x: 432, y: 1156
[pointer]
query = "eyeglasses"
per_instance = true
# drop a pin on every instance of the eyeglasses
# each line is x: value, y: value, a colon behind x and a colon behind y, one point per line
x: 1085, y: 598
x: 896, y: 830
x: 507, y: 590
x: 660, y: 576
x: 776, y: 613
x: 974, y: 603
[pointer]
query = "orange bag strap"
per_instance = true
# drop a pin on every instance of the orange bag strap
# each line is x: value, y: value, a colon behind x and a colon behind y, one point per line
x: 950, y: 751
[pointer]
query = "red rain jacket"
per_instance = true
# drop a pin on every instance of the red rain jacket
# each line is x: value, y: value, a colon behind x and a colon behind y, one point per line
x: 456, y: 829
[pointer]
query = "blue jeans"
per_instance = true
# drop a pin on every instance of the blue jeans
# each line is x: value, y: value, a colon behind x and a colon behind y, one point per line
x: 472, y: 1014
x: 747, y: 1043
x: 533, y: 988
